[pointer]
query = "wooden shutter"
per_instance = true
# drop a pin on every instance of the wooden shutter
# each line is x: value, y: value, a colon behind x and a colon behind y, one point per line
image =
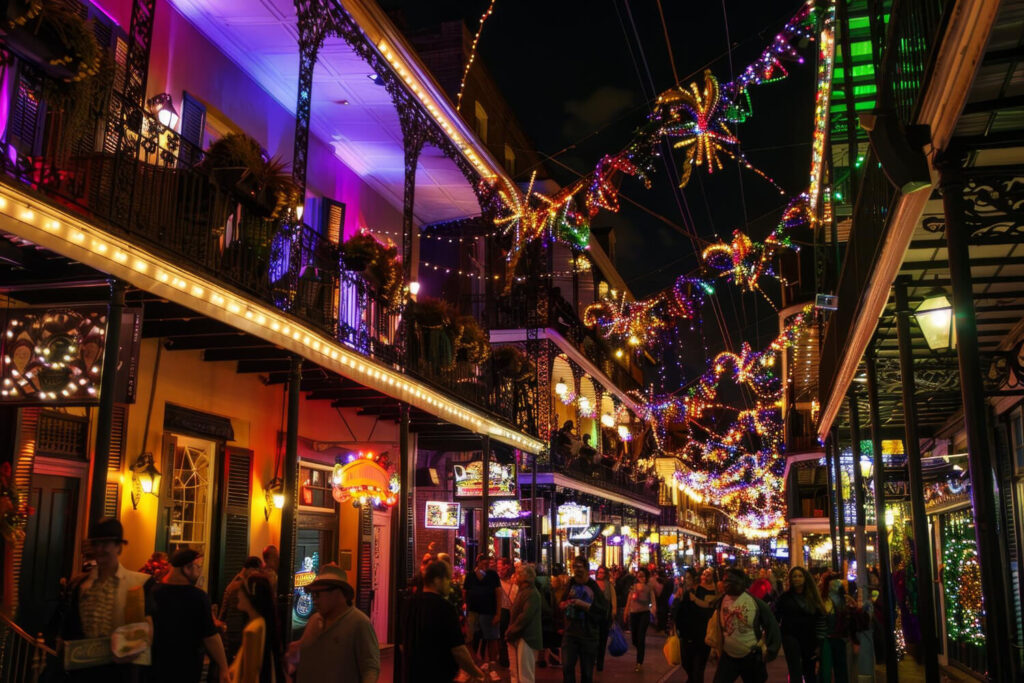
x: 193, y: 125
x: 25, y: 127
x: 118, y: 431
x: 237, y: 485
x: 332, y: 220
x: 1008, y: 513
x: 364, y: 579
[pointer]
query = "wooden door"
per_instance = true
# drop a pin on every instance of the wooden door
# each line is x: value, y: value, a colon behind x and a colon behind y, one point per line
x: 48, y: 552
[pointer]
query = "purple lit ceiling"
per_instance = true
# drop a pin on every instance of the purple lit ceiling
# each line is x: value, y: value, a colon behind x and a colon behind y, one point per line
x: 262, y: 38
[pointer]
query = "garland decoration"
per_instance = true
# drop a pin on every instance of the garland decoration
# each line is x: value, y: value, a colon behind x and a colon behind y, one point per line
x: 961, y: 582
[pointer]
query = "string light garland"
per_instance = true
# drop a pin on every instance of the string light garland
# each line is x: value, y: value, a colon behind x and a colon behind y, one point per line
x: 472, y: 53
x: 822, y: 99
x: 961, y: 580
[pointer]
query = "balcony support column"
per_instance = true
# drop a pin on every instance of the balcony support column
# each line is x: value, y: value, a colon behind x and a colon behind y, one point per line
x: 485, y: 523
x: 882, y: 527
x: 401, y: 540
x: 833, y: 503
x: 315, y: 24
x: 859, y: 535
x: 290, y: 513
x: 922, y: 542
x: 105, y: 414
x: 980, y: 452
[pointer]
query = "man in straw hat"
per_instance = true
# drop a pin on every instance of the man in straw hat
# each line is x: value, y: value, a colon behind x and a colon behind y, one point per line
x: 339, y: 643
x: 103, y: 599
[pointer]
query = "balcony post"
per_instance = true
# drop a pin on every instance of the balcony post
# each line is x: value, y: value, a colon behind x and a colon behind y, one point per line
x: 315, y: 24
x: 859, y: 534
x: 105, y: 413
x: 882, y: 533
x: 534, y: 520
x: 980, y: 454
x: 832, y: 505
x: 400, y: 540
x: 922, y: 542
x: 485, y: 522
x: 289, y: 515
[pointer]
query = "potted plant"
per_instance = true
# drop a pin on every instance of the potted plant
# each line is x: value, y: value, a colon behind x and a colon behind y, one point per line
x: 511, y: 363
x: 470, y: 341
x: 358, y: 251
x: 238, y: 166
x: 54, y: 37
x: 379, y: 265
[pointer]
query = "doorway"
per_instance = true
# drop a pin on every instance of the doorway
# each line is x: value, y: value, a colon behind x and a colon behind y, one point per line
x: 191, y: 497
x: 48, y: 554
x: 380, y: 573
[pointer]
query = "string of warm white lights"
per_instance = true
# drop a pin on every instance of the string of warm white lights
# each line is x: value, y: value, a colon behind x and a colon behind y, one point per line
x: 472, y: 53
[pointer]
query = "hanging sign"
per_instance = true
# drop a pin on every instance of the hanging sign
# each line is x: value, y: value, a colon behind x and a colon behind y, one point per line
x: 441, y: 515
x: 469, y: 480
x: 573, y: 515
x: 507, y: 514
x: 52, y: 355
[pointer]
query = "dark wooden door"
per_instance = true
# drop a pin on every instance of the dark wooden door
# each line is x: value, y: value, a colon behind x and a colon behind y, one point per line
x: 49, y: 551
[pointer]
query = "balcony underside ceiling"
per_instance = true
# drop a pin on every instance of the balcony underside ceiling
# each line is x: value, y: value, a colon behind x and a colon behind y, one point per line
x: 990, y: 135
x: 350, y: 112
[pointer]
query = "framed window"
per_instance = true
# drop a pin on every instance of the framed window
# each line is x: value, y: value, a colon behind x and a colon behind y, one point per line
x: 315, y: 489
x: 510, y: 160
x: 481, y: 121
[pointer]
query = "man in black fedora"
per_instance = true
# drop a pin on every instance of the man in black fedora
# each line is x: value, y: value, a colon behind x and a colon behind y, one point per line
x: 104, y: 598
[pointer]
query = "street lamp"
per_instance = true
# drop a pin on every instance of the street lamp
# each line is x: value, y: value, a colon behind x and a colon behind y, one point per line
x: 935, y: 318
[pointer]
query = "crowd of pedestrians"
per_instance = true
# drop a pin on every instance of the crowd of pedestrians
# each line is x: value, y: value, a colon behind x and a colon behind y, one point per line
x: 488, y: 623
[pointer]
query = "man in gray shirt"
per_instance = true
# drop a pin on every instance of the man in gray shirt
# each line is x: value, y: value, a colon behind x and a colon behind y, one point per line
x: 339, y: 643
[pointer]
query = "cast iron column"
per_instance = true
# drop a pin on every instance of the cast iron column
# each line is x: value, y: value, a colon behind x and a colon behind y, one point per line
x: 485, y: 521
x: 922, y: 542
x: 314, y: 24
x: 882, y: 541
x: 399, y: 530
x: 831, y: 490
x: 289, y: 515
x: 105, y: 416
x: 979, y: 447
x: 859, y: 540
x: 534, y: 519
x: 840, y: 500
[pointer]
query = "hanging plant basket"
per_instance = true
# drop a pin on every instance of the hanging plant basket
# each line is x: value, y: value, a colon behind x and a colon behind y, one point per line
x: 238, y: 166
x: 53, y: 37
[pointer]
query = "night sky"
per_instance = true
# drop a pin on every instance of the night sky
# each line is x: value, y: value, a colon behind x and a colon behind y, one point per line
x: 579, y: 81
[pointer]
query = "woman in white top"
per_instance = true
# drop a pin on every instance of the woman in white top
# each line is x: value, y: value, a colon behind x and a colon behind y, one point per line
x: 640, y: 608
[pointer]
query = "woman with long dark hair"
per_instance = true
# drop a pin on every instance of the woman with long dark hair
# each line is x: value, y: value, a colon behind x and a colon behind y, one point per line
x: 640, y: 607
x: 801, y: 614
x: 259, y: 658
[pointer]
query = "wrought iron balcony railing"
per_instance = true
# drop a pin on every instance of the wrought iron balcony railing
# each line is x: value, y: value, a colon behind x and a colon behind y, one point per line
x: 147, y: 184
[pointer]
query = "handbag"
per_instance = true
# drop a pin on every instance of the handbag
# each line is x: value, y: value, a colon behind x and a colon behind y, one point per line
x: 673, y: 653
x: 617, y: 644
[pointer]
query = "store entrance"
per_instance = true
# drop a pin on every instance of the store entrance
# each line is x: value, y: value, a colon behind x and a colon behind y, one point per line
x: 315, y: 545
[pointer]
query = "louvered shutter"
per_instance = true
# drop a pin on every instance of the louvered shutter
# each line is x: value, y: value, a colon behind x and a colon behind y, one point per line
x: 25, y: 127
x: 1010, y: 530
x: 332, y: 220
x: 118, y: 431
x: 193, y: 125
x: 238, y: 491
x: 364, y: 580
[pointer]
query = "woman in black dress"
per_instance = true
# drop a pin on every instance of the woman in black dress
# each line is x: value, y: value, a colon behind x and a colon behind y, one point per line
x: 801, y: 615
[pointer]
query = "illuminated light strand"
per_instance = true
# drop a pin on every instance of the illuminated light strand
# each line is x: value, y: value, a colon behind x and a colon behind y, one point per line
x: 822, y: 101
x: 137, y: 266
x: 472, y: 53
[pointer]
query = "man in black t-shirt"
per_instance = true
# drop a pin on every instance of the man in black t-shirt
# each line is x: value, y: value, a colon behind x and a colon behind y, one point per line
x: 482, y: 586
x: 183, y: 625
x: 434, y: 649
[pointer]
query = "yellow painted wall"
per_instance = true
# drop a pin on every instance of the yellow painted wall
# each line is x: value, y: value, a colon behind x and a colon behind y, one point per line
x: 255, y: 411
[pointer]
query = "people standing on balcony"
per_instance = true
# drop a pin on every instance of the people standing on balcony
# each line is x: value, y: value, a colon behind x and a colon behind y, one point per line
x: 339, y: 643
x: 434, y: 649
x: 482, y: 587
x: 801, y: 615
x: 259, y: 657
x: 509, y: 588
x: 607, y: 586
x: 104, y: 598
x: 588, y: 454
x: 183, y: 626
x: 230, y: 614
x: 584, y: 608
x: 641, y: 608
x: 524, y: 636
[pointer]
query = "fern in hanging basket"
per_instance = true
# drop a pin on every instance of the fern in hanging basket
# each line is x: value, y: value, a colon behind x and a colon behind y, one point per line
x: 239, y: 166
x: 470, y: 340
x: 379, y: 265
x: 510, y: 362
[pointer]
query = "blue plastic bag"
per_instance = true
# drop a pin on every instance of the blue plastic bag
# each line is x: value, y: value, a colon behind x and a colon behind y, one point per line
x: 617, y: 644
